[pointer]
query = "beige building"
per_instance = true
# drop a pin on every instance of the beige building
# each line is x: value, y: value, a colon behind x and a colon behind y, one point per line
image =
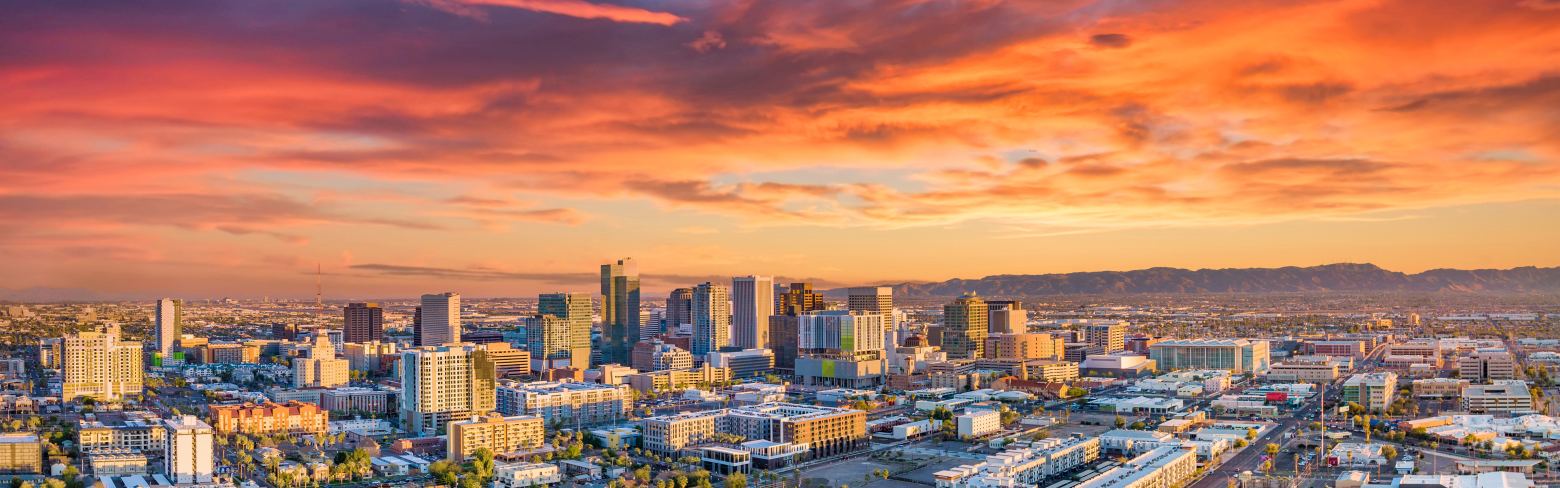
x: 678, y: 378
x: 1487, y: 366
x: 321, y: 369
x: 99, y: 365
x: 1112, y: 337
x: 1439, y: 387
x: 21, y: 454
x: 139, y: 432
x: 1503, y: 396
x: 813, y: 431
x: 1373, y: 391
x: 1051, y: 371
x: 444, y: 383
x: 1305, y: 370
x: 366, y: 356
x: 118, y: 462
x: 1029, y: 346
x: 871, y: 299
x: 1424, y: 350
x: 571, y: 401
x: 496, y: 432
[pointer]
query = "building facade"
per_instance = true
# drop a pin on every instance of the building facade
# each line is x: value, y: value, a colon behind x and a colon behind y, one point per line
x: 711, y: 318
x: 965, y: 328
x: 497, y: 433
x: 188, y: 450
x: 1503, y: 396
x: 1235, y: 355
x: 438, y: 321
x: 1374, y: 391
x: 1487, y: 366
x: 570, y: 328
x: 100, y: 365
x: 445, y: 383
x: 321, y: 369
x: 753, y: 302
x: 1026, y: 466
x: 619, y: 309
x: 1112, y: 337
x: 811, y: 431
x: 871, y: 299
x: 363, y: 322
x: 270, y: 418
x: 571, y: 402
x: 168, y: 325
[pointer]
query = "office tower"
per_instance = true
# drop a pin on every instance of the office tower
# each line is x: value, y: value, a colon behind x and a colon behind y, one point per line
x: 711, y: 319
x: 99, y: 365
x: 284, y: 332
x: 368, y: 356
x: 321, y: 369
x: 1113, y: 337
x: 871, y: 299
x: 1008, y: 321
x: 964, y: 327
x: 444, y: 383
x: 679, y: 309
x: 753, y: 302
x: 363, y: 322
x: 574, y: 309
x: 547, y: 337
x: 169, y: 326
x: 799, y: 299
x: 188, y: 450
x: 438, y: 320
x: 782, y: 335
x: 619, y: 309
x: 841, y: 348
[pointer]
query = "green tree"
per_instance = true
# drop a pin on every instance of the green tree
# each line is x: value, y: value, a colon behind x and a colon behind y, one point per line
x: 1120, y: 421
x: 1271, y: 449
x: 736, y: 480
x: 1251, y: 434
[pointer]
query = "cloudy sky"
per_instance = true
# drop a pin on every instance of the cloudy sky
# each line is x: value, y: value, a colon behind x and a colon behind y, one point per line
x: 508, y: 147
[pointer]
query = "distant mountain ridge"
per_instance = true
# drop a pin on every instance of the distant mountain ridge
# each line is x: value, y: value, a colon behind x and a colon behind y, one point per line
x: 38, y: 294
x: 1330, y: 277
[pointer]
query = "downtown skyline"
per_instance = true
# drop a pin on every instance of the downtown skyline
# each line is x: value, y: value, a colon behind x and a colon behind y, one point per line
x: 503, y: 149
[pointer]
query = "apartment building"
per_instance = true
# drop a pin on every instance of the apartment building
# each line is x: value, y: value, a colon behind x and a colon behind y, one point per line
x: 137, y: 431
x: 356, y: 399
x: 576, y: 403
x: 1024, y: 466
x: 321, y: 369
x: 21, y: 454
x: 976, y: 423
x: 1049, y: 370
x: 1487, y: 366
x: 1439, y: 387
x: 496, y: 432
x: 100, y: 365
x: 367, y: 356
x: 656, y: 355
x: 525, y: 475
x: 810, y: 431
x: 270, y: 418
x: 1503, y: 396
x: 678, y: 378
x: 1164, y: 467
x: 1374, y: 391
x: 444, y: 383
x: 188, y: 450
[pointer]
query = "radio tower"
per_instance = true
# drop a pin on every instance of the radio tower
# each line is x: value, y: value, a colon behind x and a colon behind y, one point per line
x: 319, y: 296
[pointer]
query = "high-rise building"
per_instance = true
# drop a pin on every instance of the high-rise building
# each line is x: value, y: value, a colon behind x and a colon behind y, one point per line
x: 439, y: 321
x: 798, y: 299
x: 841, y: 348
x: 1029, y: 346
x: 871, y: 299
x: 679, y: 308
x: 444, y: 383
x: 574, y: 310
x: 416, y: 325
x: 363, y: 322
x: 649, y: 324
x: 655, y: 355
x: 753, y: 303
x: 1006, y: 317
x: 367, y: 356
x: 783, y: 336
x: 321, y: 369
x: 964, y: 327
x: 169, y: 325
x: 711, y: 318
x: 620, y: 309
x: 100, y: 365
x: 188, y: 451
x: 1113, y: 337
x: 547, y: 337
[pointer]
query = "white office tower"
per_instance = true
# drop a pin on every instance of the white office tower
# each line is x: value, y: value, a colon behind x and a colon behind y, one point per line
x: 440, y: 322
x: 711, y: 318
x: 871, y: 299
x: 169, y: 326
x: 188, y: 450
x: 753, y: 299
x: 839, y: 330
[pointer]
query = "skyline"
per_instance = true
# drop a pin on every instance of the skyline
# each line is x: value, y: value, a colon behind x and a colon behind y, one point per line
x: 508, y: 148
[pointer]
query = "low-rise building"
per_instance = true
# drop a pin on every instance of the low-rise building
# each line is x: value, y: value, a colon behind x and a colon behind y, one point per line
x: 1487, y: 366
x: 270, y: 418
x: 746, y: 363
x: 1439, y: 387
x: 811, y: 431
x: 1355, y: 454
x: 525, y: 475
x: 1482, y: 480
x: 138, y: 431
x: 1373, y: 391
x: 1024, y: 466
x: 365, y: 400
x: 678, y: 378
x: 976, y: 423
x: 1160, y: 468
x: 1503, y: 396
x: 117, y: 462
x: 572, y: 401
x: 1322, y: 370
x: 497, y: 433
x: 21, y: 454
x: 1135, y: 442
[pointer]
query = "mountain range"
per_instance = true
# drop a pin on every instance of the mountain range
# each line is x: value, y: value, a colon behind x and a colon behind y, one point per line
x: 1330, y: 277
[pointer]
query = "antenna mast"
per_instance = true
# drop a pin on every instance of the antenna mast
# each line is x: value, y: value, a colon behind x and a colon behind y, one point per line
x: 319, y: 287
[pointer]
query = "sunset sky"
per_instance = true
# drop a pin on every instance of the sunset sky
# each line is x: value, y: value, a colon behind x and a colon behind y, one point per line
x: 501, y: 148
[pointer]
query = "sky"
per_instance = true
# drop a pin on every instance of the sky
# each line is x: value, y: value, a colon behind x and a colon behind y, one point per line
x: 503, y: 148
